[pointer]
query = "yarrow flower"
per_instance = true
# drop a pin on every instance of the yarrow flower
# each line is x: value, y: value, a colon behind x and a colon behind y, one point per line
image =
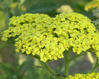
x: 92, y: 4
x: 65, y: 9
x: 84, y: 76
x: 48, y: 38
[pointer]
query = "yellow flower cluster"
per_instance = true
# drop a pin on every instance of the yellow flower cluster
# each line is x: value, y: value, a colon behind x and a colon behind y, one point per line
x: 39, y: 34
x: 25, y: 23
x: 65, y: 9
x: 84, y: 76
x: 92, y: 4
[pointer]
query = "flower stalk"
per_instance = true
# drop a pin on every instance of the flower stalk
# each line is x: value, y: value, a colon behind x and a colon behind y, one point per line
x: 49, y: 70
x: 66, y: 57
x: 96, y: 65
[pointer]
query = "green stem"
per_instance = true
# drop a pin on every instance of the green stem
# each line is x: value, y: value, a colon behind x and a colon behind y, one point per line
x: 66, y: 57
x: 50, y: 70
x: 96, y: 65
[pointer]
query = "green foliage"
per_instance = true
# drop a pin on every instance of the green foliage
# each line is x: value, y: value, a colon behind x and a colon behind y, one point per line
x: 96, y: 23
x: 42, y: 7
x: 7, y: 70
x: 96, y: 13
x: 22, y: 71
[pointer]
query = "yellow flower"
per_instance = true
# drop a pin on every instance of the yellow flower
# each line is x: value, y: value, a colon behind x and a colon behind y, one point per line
x: 92, y: 4
x: 84, y: 76
x: 39, y: 34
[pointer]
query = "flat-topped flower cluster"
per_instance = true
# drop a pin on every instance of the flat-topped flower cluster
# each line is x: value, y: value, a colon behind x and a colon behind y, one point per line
x: 84, y: 76
x: 39, y: 34
x: 92, y: 5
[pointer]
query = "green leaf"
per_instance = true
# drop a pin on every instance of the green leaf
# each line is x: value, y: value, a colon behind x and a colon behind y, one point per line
x: 7, y: 68
x: 1, y: 9
x: 3, y: 45
x: 38, y: 67
x: 42, y: 7
x: 18, y: 11
x: 21, y: 69
x: 7, y: 2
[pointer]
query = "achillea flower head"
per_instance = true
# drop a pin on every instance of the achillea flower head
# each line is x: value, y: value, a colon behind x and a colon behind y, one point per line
x: 39, y: 34
x: 74, y: 31
x: 92, y: 4
x: 84, y: 76
x: 24, y: 23
x: 65, y: 9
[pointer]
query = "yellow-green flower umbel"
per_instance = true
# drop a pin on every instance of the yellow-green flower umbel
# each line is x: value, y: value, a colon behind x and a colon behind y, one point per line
x: 84, y: 76
x: 48, y: 38
x: 92, y: 5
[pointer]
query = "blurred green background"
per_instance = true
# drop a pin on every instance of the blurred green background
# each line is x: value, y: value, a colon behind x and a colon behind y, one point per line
x: 17, y: 66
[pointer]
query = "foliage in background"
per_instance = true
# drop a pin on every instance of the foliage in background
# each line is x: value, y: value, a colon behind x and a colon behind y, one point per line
x: 24, y: 70
x: 9, y: 8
